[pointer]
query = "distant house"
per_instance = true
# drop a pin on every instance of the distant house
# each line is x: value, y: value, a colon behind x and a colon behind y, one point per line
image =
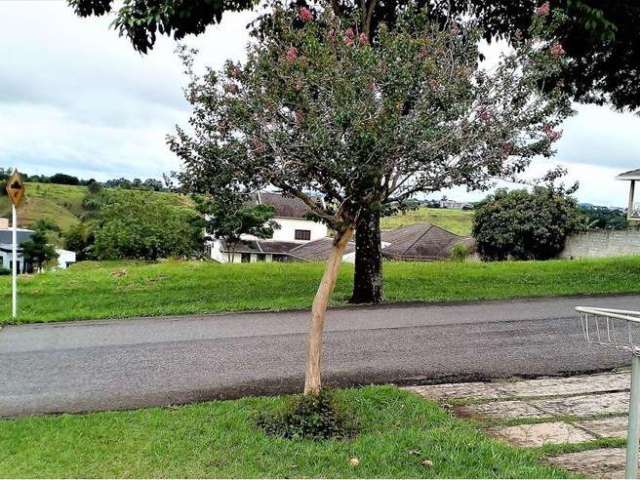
x: 421, y: 242
x: 633, y: 207
x: 65, y: 257
x: 444, y: 203
x: 302, y: 239
x: 296, y: 230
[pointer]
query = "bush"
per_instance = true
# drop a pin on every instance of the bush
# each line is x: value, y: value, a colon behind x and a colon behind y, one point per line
x: 310, y: 417
x: 460, y: 252
x: 136, y: 225
x: 524, y: 225
x: 4, y: 271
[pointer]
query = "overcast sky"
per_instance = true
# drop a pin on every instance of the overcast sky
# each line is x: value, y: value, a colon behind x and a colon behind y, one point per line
x: 76, y: 98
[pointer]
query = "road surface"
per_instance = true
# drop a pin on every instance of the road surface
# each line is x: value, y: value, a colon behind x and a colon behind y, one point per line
x: 120, y: 364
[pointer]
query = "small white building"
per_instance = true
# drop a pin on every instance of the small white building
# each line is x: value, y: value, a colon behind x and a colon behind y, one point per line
x: 65, y: 257
x: 296, y: 229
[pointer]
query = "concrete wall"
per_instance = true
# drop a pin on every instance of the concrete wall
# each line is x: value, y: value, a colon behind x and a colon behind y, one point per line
x: 602, y: 244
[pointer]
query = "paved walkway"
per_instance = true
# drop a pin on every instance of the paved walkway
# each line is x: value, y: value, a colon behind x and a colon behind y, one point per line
x: 124, y: 364
x: 580, y: 410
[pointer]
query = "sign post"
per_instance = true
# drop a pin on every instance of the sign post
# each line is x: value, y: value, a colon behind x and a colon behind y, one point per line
x: 15, y: 190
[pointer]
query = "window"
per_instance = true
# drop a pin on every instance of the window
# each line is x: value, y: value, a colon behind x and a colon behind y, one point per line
x: 303, y: 235
x: 245, y: 258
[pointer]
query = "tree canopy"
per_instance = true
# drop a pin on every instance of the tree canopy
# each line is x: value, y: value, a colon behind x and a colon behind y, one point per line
x: 524, y: 225
x: 599, y: 37
x: 317, y: 108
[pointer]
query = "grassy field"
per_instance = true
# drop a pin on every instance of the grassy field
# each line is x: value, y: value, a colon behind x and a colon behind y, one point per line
x: 398, y: 431
x: 456, y: 221
x: 118, y: 289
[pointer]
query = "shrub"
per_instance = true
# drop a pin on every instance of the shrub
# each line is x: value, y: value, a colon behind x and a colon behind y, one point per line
x: 4, y: 271
x: 460, y: 252
x: 311, y: 417
x: 524, y: 225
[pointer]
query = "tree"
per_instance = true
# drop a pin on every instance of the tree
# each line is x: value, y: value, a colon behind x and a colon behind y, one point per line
x: 80, y: 238
x: 599, y: 39
x: 602, y: 218
x: 137, y: 225
x: 64, y: 179
x: 525, y: 225
x: 228, y: 216
x: 142, y: 20
x: 315, y: 108
x: 37, y: 250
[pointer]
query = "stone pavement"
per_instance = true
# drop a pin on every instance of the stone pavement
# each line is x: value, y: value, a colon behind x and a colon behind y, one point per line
x: 577, y: 410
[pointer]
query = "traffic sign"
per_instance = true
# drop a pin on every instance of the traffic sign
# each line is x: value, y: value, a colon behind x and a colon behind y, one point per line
x: 15, y: 188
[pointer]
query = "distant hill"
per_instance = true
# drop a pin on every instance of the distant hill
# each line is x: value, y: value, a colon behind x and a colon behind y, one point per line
x: 62, y: 204
x: 456, y: 221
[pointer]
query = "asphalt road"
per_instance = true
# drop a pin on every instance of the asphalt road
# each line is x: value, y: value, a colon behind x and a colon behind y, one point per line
x: 100, y: 365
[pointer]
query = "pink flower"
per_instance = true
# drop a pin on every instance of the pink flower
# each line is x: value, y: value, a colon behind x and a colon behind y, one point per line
x: 233, y: 71
x: 364, y: 40
x: 543, y: 10
x: 484, y: 114
x: 258, y: 146
x: 552, y: 135
x: 292, y: 54
x: 349, y: 33
x: 556, y: 50
x: 507, y: 148
x: 231, y: 88
x: 305, y: 14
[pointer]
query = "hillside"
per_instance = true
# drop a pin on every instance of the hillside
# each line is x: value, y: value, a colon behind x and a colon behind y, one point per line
x: 456, y: 221
x: 62, y: 204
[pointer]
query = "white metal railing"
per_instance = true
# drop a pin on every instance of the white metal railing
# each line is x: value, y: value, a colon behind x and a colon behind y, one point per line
x: 619, y: 329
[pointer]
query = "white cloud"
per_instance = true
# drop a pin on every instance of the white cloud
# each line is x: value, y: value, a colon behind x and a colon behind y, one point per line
x: 75, y: 97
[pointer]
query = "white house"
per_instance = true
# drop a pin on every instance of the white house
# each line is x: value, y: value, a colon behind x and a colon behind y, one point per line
x: 65, y: 257
x: 295, y: 231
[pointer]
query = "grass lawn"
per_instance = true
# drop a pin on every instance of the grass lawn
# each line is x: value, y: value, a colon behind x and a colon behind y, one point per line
x: 398, y: 431
x: 456, y: 221
x: 124, y: 289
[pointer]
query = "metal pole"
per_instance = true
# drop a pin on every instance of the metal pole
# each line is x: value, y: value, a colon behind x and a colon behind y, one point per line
x: 14, y: 265
x: 631, y: 469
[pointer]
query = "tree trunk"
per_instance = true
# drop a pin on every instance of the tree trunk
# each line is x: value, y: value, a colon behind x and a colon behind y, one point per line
x: 312, y: 384
x: 368, y: 281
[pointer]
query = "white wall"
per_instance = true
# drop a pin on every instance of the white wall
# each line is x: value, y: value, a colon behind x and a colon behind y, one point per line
x: 65, y: 257
x: 603, y: 243
x: 288, y: 226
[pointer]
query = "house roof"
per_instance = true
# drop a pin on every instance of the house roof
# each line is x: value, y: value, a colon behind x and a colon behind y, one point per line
x: 261, y: 246
x: 287, y: 207
x: 630, y: 175
x: 21, y: 233
x: 422, y: 241
x: 317, y: 250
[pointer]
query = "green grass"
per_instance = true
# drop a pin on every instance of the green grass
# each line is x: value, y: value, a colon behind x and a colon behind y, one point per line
x: 456, y: 221
x: 62, y: 204
x: 123, y: 289
x: 398, y: 431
